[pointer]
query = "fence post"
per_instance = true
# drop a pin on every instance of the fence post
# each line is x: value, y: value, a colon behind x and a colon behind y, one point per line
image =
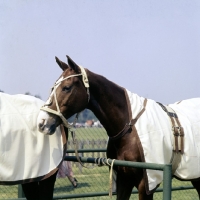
x: 167, y: 182
x: 20, y: 191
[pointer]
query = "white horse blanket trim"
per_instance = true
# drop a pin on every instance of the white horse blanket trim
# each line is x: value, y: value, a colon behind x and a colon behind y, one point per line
x: 25, y: 153
x: 154, y: 129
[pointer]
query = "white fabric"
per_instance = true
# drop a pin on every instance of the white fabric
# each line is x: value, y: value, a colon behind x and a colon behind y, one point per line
x: 25, y: 152
x: 155, y: 132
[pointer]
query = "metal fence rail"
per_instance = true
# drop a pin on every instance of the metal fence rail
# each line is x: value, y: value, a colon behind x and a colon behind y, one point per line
x: 165, y: 168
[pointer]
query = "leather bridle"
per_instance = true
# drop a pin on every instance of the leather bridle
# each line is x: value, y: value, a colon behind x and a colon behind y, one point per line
x: 57, y: 111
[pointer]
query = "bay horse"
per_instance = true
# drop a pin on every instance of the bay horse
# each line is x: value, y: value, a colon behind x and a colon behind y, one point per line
x: 28, y: 157
x: 132, y: 123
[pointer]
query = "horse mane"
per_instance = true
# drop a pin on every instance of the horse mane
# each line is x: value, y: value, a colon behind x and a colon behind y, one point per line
x: 107, y: 102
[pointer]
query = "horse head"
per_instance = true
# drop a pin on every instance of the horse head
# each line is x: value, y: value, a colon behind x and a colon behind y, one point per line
x: 69, y: 95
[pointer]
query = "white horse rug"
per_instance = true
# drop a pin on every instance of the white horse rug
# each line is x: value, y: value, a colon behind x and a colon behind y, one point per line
x: 154, y: 129
x: 25, y: 153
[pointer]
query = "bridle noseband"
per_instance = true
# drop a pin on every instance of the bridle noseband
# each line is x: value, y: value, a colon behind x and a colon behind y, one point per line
x: 57, y: 111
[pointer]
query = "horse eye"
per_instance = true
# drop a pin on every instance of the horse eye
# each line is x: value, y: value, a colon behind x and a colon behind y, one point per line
x: 66, y: 89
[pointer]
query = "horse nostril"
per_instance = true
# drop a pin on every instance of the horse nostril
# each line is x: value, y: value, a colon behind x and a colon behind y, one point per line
x: 41, y: 125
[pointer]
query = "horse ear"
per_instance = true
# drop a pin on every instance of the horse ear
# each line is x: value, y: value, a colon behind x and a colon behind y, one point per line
x: 73, y: 65
x: 62, y: 65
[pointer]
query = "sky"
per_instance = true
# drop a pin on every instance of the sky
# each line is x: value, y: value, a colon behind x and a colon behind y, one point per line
x: 150, y: 47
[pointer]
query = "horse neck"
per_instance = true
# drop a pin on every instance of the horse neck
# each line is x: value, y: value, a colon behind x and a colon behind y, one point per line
x: 108, y: 102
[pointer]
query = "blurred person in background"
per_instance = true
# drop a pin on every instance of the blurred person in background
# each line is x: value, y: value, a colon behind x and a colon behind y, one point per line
x: 65, y: 169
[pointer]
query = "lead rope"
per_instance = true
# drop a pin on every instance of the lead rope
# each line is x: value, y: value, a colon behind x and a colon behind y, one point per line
x: 110, y: 179
x: 98, y: 161
x: 76, y: 148
x: 75, y: 143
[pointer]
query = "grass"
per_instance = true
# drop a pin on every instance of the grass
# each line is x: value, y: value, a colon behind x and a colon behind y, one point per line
x: 97, y: 180
x: 91, y: 133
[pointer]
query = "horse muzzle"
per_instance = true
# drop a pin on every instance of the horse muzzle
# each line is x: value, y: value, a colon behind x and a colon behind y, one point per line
x: 46, y: 123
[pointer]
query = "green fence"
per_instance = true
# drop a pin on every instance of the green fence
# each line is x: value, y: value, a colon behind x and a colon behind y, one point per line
x: 96, y: 180
x: 165, y: 168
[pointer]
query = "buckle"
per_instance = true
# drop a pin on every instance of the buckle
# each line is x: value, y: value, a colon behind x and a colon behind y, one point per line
x: 176, y: 130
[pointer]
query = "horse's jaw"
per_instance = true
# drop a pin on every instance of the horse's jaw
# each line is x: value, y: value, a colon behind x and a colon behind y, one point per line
x: 46, y: 123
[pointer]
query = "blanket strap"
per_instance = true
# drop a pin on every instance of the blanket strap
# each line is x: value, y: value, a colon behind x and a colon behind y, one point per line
x: 178, y: 132
x: 176, y: 128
